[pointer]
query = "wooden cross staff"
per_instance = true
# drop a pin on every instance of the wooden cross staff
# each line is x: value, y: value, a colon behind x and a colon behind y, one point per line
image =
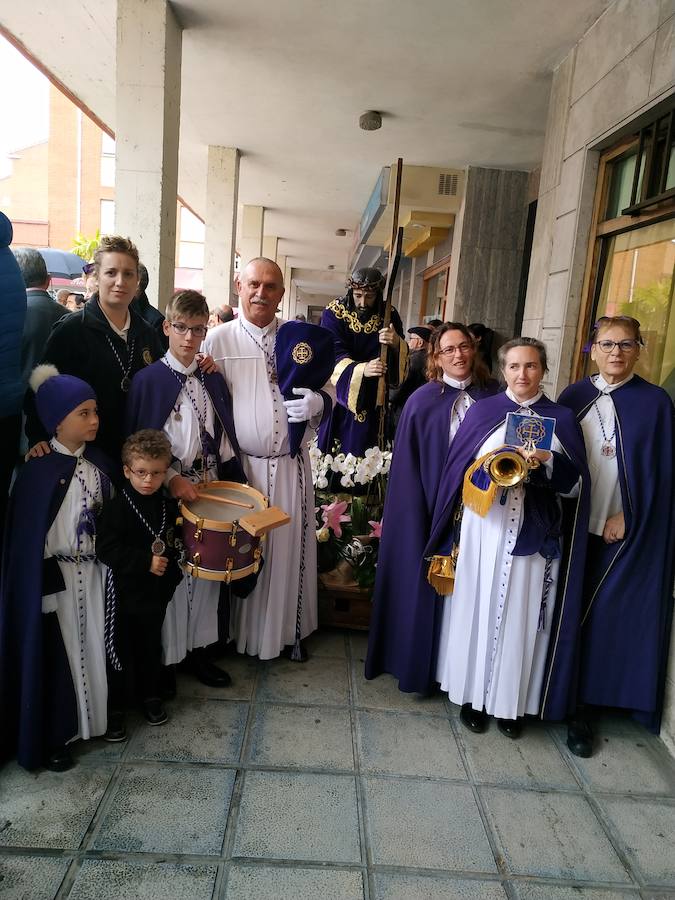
x: 395, y: 245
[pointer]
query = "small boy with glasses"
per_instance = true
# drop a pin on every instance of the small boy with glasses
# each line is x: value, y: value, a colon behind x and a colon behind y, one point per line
x: 194, y: 410
x: 135, y: 539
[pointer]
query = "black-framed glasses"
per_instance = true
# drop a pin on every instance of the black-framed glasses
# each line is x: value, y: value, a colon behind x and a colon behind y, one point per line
x: 199, y: 331
x: 625, y: 346
x: 88, y: 268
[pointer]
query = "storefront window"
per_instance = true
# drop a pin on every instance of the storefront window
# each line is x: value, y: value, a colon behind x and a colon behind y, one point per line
x: 637, y: 281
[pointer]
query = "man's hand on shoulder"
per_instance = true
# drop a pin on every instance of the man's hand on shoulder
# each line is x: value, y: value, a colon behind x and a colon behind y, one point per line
x: 206, y: 363
x: 42, y: 448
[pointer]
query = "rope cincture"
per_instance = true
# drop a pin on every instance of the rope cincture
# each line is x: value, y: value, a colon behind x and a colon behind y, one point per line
x: 109, y: 622
x: 296, y: 655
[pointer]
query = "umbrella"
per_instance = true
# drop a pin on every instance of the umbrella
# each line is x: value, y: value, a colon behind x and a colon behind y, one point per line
x: 62, y: 264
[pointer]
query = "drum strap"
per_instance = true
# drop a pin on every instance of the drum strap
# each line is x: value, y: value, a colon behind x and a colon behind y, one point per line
x: 274, y: 455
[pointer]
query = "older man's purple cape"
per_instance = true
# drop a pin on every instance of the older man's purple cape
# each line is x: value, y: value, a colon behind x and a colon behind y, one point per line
x: 539, y: 526
x: 38, y: 707
x: 628, y: 591
x: 406, y: 616
x: 355, y: 419
x: 153, y: 394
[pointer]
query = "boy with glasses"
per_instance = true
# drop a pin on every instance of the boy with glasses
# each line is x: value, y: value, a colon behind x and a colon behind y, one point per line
x: 194, y: 410
x: 135, y: 539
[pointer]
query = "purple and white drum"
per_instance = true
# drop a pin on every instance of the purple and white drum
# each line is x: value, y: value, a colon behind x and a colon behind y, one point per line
x: 216, y: 546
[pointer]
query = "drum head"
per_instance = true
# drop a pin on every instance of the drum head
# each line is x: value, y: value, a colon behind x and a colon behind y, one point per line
x: 218, y: 511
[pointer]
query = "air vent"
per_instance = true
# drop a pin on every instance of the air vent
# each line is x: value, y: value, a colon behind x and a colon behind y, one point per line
x: 447, y: 185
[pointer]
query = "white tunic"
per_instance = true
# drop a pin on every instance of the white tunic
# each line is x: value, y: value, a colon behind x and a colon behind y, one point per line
x: 191, y: 618
x: 462, y: 403
x: 491, y: 654
x: 264, y: 622
x: 80, y: 607
x: 599, y: 428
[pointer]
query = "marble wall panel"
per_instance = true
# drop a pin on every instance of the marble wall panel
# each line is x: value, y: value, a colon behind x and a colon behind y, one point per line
x: 663, y: 70
x: 621, y: 29
x: 622, y: 91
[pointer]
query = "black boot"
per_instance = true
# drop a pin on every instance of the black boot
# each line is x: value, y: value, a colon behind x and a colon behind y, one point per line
x: 511, y: 728
x: 206, y: 671
x: 580, y: 735
x: 473, y: 719
x: 59, y: 760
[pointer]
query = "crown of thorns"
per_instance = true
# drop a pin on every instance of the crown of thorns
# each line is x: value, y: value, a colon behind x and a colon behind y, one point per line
x: 366, y: 278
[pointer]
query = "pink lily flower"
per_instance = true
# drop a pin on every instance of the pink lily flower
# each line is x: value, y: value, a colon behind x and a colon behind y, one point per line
x: 376, y: 529
x: 333, y: 516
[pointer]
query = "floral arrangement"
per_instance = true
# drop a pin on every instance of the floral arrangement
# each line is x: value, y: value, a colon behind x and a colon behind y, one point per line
x: 349, y: 522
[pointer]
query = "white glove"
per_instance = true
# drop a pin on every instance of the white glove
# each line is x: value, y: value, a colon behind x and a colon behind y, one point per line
x: 309, y: 405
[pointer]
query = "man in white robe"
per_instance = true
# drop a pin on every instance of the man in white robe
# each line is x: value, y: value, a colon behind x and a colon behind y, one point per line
x: 244, y: 351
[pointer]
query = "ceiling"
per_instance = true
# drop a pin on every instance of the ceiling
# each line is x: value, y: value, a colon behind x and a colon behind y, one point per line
x: 457, y: 82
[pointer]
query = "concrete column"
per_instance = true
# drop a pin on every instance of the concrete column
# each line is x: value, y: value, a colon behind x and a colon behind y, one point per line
x: 222, y: 193
x: 251, y: 242
x: 487, y: 249
x: 269, y: 246
x: 414, y: 298
x: 149, y: 42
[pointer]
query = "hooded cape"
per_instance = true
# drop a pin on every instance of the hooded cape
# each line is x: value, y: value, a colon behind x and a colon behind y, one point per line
x: 537, y: 530
x: 628, y: 602
x: 38, y: 708
x: 406, y: 617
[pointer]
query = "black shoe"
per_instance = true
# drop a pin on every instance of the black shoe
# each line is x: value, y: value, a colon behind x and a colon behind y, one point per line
x: 511, y: 728
x: 117, y: 728
x: 167, y: 682
x: 580, y: 738
x: 154, y: 712
x: 296, y: 652
x: 59, y: 760
x: 208, y: 673
x: 473, y: 719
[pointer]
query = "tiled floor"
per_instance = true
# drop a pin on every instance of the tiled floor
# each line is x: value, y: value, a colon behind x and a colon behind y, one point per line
x: 309, y: 782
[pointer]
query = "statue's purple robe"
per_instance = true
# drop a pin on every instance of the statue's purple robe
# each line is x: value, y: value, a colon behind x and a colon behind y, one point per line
x: 406, y: 615
x: 539, y: 531
x: 38, y: 706
x: 355, y: 419
x: 153, y: 394
x: 628, y: 603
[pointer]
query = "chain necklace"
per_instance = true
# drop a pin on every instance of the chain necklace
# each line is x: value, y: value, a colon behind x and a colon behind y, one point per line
x: 608, y: 449
x: 270, y: 358
x: 158, y: 546
x: 201, y: 416
x: 125, y: 383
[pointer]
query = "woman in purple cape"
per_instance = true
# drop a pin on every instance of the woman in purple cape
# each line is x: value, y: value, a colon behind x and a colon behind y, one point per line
x: 406, y: 613
x: 509, y: 631
x: 628, y: 429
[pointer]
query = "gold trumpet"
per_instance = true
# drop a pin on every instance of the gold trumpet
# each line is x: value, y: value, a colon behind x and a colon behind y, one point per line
x: 507, y: 468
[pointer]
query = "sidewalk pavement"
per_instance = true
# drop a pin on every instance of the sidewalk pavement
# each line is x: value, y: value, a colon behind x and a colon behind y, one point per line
x: 306, y: 781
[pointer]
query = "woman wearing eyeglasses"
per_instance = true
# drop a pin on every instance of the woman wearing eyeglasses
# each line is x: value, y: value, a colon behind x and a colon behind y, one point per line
x: 628, y: 429
x: 405, y: 621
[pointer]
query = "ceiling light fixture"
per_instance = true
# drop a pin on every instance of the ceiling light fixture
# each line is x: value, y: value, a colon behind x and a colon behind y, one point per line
x: 370, y: 120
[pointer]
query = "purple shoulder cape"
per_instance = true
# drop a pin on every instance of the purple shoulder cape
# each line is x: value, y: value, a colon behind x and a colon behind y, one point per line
x: 559, y: 687
x: 32, y: 654
x: 153, y: 394
x: 628, y: 589
x: 405, y: 622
